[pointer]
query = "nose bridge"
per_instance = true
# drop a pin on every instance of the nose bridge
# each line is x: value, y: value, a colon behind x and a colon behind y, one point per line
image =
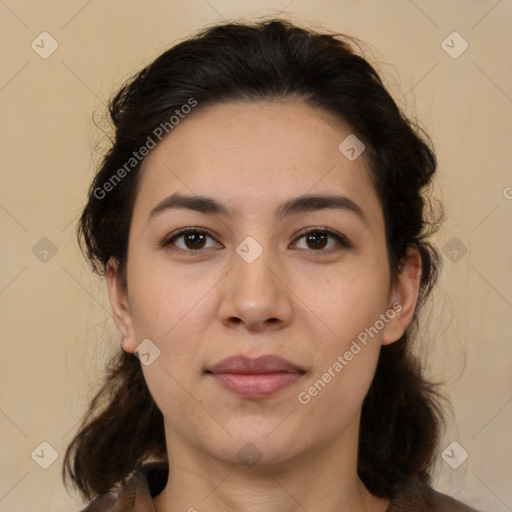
x: 253, y: 294
x: 252, y: 271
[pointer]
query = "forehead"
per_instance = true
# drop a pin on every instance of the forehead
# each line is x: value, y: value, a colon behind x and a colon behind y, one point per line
x: 247, y: 152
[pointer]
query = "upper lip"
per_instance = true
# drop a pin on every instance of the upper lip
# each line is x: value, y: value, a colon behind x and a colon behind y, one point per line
x: 260, y: 365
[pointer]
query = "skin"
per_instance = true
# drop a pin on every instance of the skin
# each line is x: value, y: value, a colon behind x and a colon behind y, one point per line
x: 296, y: 300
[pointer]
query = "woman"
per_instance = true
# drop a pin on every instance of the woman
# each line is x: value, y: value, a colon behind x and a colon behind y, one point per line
x: 262, y: 225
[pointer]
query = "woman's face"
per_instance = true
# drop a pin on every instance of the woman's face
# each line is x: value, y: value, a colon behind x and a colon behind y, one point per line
x: 252, y: 180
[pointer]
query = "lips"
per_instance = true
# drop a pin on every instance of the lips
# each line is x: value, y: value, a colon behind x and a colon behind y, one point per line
x: 259, y: 365
x: 255, y: 377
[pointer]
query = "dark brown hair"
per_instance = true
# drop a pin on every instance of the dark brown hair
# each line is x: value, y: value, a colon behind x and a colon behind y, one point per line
x: 269, y: 60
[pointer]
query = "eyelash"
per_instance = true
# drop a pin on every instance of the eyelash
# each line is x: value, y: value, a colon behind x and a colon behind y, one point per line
x: 340, y: 239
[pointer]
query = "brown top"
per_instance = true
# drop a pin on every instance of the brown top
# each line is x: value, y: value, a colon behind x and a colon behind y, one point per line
x: 136, y: 493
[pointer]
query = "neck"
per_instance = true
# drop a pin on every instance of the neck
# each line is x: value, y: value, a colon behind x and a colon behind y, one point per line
x: 325, y: 480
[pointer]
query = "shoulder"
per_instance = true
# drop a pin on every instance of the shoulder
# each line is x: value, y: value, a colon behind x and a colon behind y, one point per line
x: 135, y: 493
x: 415, y: 495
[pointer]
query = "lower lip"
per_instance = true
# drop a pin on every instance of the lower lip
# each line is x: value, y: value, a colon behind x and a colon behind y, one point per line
x: 256, y: 385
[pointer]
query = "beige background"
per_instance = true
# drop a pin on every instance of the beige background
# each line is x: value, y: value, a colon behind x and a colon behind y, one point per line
x: 55, y: 323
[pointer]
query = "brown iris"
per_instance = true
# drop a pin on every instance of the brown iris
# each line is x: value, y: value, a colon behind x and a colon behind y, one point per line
x: 194, y: 240
x: 317, y: 240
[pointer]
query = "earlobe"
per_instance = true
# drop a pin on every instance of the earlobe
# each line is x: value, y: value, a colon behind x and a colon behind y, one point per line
x: 404, y: 296
x: 120, y: 307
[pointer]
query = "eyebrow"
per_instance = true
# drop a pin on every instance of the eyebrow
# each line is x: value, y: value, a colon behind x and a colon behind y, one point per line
x: 301, y: 204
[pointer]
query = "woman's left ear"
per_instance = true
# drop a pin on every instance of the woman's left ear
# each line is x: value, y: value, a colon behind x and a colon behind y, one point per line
x: 404, y: 296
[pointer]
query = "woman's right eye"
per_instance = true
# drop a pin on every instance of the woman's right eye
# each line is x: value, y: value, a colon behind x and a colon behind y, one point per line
x: 191, y: 240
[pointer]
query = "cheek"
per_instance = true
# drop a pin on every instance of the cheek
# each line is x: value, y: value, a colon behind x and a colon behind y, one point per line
x: 173, y: 313
x: 346, y: 356
x: 345, y: 360
x: 163, y: 303
x: 347, y: 300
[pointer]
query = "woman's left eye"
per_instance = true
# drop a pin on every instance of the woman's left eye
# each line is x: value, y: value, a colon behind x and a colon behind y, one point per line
x: 322, y: 239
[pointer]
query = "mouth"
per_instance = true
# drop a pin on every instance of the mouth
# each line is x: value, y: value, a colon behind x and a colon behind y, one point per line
x: 255, y: 377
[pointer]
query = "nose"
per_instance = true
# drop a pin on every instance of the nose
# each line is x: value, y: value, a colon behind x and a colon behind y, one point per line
x: 255, y: 295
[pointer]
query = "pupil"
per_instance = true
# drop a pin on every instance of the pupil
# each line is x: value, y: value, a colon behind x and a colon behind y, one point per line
x: 317, y: 240
x: 194, y: 240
